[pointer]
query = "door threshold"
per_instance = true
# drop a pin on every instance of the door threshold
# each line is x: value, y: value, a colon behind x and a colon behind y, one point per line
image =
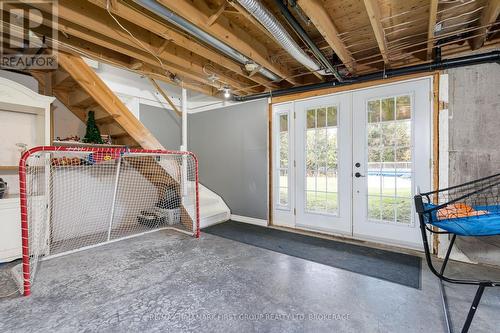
x: 351, y: 240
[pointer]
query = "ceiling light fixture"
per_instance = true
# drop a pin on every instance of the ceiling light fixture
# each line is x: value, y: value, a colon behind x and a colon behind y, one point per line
x: 227, y: 92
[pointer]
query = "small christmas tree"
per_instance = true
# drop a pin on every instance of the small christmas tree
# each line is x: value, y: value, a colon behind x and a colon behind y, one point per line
x: 92, y: 135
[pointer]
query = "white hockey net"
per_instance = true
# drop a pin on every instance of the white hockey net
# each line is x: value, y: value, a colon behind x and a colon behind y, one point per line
x: 76, y: 198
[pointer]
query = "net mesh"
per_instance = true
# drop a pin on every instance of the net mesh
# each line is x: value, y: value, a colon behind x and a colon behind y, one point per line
x: 466, y: 207
x: 78, y: 198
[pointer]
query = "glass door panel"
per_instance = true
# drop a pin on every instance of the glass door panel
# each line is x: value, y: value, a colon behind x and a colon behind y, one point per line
x: 389, y: 159
x: 323, y: 158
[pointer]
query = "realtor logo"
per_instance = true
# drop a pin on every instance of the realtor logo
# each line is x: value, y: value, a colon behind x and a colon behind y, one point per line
x: 28, y: 34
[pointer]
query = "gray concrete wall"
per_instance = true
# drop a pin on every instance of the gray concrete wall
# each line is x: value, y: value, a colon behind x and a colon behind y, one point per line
x: 474, y: 140
x: 231, y: 145
x: 164, y: 124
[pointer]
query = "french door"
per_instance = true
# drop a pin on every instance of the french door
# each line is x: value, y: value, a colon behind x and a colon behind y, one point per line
x: 349, y: 163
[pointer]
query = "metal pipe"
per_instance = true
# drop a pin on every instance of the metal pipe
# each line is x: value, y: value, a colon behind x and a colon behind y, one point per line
x: 305, y: 37
x: 474, y: 59
x: 193, y: 30
x: 270, y: 22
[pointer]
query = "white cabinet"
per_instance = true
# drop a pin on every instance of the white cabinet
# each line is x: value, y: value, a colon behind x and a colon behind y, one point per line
x: 25, y: 117
x: 10, y: 229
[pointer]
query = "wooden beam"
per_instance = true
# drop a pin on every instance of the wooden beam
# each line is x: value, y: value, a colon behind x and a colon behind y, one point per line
x: 488, y: 16
x: 216, y: 15
x: 63, y: 97
x: 196, y: 12
x: 165, y: 96
x: 101, y: 93
x: 373, y: 11
x: 97, y: 28
x: 318, y: 14
x: 432, y: 25
x: 162, y: 29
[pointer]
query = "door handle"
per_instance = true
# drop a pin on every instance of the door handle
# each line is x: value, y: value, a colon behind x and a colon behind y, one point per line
x: 357, y: 175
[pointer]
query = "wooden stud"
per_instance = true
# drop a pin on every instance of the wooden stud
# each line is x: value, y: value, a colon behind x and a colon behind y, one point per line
x: 196, y: 12
x: 97, y: 29
x: 432, y: 25
x: 316, y: 11
x: 165, y: 96
x: 160, y: 28
x: 216, y: 15
x: 489, y: 16
x: 373, y: 11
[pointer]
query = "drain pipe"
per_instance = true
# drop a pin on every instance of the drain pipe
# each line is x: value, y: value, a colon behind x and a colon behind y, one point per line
x: 267, y: 19
x: 305, y: 37
x: 171, y: 17
x: 474, y: 59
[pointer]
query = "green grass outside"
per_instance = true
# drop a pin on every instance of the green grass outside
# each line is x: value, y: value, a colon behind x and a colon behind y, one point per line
x: 382, y: 205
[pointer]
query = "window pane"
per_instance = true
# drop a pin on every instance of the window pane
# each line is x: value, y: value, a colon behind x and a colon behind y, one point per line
x: 332, y: 203
x: 374, y: 111
x: 311, y: 180
x: 373, y: 180
x: 311, y: 201
x: 403, y: 183
x: 403, y: 107
x: 332, y: 116
x: 283, y: 150
x: 388, y: 109
x: 283, y: 200
x: 374, y: 155
x: 403, y: 210
x: 402, y: 133
x: 403, y: 154
x: 388, y: 183
x: 388, y: 133
x: 374, y: 135
x: 283, y: 122
x: 388, y: 154
x: 374, y: 207
x: 321, y: 117
x: 388, y: 209
x: 311, y: 118
x: 284, y: 178
x: 389, y: 145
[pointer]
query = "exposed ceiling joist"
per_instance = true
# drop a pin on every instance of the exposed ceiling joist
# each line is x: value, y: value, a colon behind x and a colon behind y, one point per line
x: 217, y: 13
x: 316, y: 11
x: 373, y: 11
x: 97, y: 26
x: 489, y: 16
x: 432, y: 24
x: 196, y: 11
x: 163, y: 30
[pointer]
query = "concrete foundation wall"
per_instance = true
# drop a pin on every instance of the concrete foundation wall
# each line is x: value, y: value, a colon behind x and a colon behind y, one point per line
x: 474, y: 140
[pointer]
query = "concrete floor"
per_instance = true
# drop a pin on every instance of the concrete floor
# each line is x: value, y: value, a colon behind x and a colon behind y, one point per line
x: 168, y: 282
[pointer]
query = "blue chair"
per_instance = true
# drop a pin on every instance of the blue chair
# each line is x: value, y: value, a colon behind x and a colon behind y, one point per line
x: 470, y: 209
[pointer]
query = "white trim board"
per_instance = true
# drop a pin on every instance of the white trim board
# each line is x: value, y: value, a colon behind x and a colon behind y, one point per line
x: 249, y: 220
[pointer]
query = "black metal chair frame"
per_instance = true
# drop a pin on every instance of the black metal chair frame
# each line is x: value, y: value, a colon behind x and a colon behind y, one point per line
x: 482, y: 284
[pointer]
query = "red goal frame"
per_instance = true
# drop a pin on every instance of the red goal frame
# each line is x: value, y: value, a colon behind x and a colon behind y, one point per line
x: 24, y: 198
